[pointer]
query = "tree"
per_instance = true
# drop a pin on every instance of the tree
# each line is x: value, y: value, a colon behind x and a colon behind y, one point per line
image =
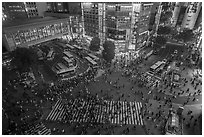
x: 165, y: 16
x: 164, y: 30
x: 23, y: 58
x: 95, y: 44
x: 160, y: 40
x: 109, y: 51
x: 186, y: 35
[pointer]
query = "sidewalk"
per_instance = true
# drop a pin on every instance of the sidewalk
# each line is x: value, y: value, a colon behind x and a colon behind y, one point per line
x: 155, y: 124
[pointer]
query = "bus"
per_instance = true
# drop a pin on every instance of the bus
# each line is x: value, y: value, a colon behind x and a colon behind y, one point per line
x: 50, y: 55
x: 68, y: 61
x: 148, y: 54
x: 77, y: 47
x: 156, y: 66
x: 60, y: 69
x: 68, y: 54
x: 69, y: 46
x: 92, y: 62
x: 95, y: 58
x: 64, y: 46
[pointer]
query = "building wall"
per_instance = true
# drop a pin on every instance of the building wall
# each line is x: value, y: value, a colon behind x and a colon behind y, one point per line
x: 23, y: 10
x: 14, y: 10
x: 41, y: 8
x: 31, y: 34
x: 142, y: 13
x: 91, y: 19
x: 191, y: 15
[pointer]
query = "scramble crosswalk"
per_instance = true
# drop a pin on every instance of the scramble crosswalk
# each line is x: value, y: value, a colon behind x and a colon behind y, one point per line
x: 58, y: 112
x: 38, y: 129
x: 114, y: 112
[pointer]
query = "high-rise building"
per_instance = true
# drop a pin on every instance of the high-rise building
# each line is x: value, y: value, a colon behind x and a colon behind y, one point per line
x: 71, y: 10
x: 126, y: 24
x: 23, y: 10
x: 118, y: 24
x: 186, y: 14
x: 64, y: 7
x: 14, y: 10
x: 25, y: 33
x: 141, y: 19
x: 191, y: 15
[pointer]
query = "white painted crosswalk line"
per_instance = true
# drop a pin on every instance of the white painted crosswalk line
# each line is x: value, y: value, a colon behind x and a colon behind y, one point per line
x: 129, y: 114
x: 113, y: 116
x: 55, y: 106
x: 61, y: 113
x: 98, y: 116
x: 140, y: 104
x: 53, y: 109
x: 55, y: 115
x: 75, y: 112
x: 137, y: 113
x: 132, y: 115
x: 87, y: 111
x: 114, y: 112
x: 124, y: 113
x: 85, y: 108
x: 85, y: 115
x: 79, y: 115
x: 102, y: 109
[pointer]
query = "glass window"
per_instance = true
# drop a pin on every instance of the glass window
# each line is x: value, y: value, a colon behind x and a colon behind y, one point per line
x: 22, y: 36
x: 17, y: 39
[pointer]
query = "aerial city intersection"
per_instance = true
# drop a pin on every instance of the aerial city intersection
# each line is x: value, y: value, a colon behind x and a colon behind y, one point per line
x: 102, y: 68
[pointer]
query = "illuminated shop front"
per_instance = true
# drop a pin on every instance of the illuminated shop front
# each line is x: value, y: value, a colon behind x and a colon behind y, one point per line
x: 34, y: 33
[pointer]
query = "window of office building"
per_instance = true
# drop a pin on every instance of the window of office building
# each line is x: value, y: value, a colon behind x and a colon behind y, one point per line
x: 27, y: 35
x: 52, y: 31
x: 40, y: 33
x: 22, y: 37
x: 48, y: 30
x: 17, y: 39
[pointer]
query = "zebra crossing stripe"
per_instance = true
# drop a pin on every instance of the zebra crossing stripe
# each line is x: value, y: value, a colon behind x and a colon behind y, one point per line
x: 86, y: 105
x: 132, y: 115
x: 52, y: 117
x: 80, y: 118
x: 61, y: 113
x: 87, y: 110
x: 109, y: 107
x: 99, y: 111
x: 138, y: 118
x: 112, y: 112
x: 56, y: 104
x: 58, y: 112
x: 140, y: 113
x: 100, y: 114
x: 126, y: 117
x: 75, y: 112
x: 135, y: 113
x: 123, y: 112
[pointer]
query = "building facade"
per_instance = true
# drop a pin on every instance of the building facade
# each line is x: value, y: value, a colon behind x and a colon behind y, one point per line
x: 186, y: 14
x: 126, y: 24
x: 141, y: 19
x: 191, y: 15
x: 64, y: 7
x: 36, y: 31
x: 23, y: 10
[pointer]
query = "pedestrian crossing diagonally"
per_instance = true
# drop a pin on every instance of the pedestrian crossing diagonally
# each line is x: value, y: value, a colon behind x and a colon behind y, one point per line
x: 115, y: 112
x: 58, y: 112
x: 38, y: 129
